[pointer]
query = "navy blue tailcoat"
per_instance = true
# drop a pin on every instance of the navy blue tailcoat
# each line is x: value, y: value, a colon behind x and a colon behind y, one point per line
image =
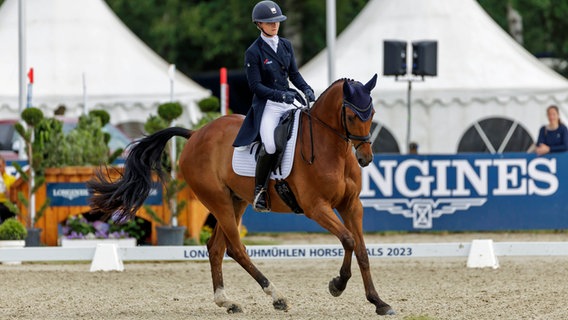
x: 267, y: 75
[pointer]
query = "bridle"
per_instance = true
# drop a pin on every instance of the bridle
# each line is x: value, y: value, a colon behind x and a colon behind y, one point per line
x: 346, y: 136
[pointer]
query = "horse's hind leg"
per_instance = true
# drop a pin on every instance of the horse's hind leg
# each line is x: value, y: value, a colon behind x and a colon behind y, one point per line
x: 237, y: 251
x: 227, y: 236
x: 216, y: 248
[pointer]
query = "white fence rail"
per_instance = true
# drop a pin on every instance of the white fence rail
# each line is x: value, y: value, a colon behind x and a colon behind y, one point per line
x: 199, y: 253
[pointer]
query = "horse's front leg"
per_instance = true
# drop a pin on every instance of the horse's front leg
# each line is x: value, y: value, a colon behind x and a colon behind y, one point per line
x: 338, y: 284
x: 353, y: 219
x: 325, y: 217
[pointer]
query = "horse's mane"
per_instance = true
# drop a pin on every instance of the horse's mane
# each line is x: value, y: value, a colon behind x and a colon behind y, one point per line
x: 331, y: 85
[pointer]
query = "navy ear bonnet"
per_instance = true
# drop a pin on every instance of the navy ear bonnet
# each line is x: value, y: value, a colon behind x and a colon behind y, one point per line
x: 357, y: 97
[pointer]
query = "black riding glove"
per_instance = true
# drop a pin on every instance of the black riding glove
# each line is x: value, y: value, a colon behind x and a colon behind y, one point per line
x: 288, y: 97
x: 309, y: 93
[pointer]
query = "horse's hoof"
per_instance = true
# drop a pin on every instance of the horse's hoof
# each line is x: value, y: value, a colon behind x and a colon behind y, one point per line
x: 385, y: 311
x: 234, y: 308
x: 333, y: 289
x: 280, y: 304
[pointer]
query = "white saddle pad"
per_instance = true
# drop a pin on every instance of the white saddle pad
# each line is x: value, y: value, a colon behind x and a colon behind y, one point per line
x: 244, y: 162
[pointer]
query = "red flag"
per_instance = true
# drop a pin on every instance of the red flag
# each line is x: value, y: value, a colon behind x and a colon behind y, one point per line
x: 31, y: 75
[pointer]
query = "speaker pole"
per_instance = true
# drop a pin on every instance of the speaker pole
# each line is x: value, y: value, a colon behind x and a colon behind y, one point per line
x: 424, y: 63
x: 408, y: 120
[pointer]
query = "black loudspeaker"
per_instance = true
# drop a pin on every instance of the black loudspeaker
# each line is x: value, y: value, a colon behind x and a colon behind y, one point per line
x: 425, y: 58
x: 394, y: 58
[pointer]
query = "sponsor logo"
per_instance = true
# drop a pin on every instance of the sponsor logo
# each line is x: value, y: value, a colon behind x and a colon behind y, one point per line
x: 70, y: 194
x: 77, y: 194
x: 423, y: 211
x: 266, y: 61
x: 423, y: 190
x: 273, y: 10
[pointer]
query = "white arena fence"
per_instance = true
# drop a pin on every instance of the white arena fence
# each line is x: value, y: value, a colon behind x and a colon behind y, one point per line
x: 381, y: 251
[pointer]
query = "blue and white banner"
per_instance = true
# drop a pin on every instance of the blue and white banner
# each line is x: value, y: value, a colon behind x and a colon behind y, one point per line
x: 77, y: 194
x: 463, y: 192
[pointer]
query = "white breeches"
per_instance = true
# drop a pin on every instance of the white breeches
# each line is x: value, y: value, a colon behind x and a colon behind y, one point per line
x: 270, y: 117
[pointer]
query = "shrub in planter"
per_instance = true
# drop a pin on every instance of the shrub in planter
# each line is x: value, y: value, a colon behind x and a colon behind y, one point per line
x: 12, y: 229
x: 210, y: 108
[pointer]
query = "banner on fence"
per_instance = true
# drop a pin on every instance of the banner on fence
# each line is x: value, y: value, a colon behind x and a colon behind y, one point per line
x: 462, y: 192
x: 68, y: 194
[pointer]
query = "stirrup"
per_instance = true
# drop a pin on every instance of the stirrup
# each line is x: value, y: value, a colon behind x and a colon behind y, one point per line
x: 257, y: 205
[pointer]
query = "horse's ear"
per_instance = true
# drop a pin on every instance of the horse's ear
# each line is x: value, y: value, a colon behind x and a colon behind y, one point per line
x: 347, y: 89
x: 371, y: 84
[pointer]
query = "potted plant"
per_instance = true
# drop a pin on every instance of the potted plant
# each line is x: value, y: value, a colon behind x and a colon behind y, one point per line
x: 12, y: 235
x: 169, y: 233
x: 33, y: 117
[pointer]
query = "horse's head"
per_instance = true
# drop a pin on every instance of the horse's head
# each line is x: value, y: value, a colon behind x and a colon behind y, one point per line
x: 356, y: 116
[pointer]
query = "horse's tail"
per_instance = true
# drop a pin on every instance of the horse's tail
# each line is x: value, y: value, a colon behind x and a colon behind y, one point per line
x: 123, y: 197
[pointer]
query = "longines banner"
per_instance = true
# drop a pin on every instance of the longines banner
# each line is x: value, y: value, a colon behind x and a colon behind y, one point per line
x: 511, y: 191
x: 77, y: 194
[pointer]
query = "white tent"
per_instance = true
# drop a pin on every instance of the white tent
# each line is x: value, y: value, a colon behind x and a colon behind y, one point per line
x: 69, y: 38
x: 482, y: 71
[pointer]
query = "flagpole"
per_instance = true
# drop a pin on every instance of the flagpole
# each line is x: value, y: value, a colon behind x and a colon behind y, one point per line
x: 21, y: 65
x: 173, y: 151
x: 330, y: 35
x: 85, y: 109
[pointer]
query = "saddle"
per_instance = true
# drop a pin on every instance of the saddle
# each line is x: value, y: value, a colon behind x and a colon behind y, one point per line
x: 285, y: 134
x: 282, y: 134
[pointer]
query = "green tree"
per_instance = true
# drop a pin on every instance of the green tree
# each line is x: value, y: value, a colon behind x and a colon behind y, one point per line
x: 202, y: 35
x: 545, y: 28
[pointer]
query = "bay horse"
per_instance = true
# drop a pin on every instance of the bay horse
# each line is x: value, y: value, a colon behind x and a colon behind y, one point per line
x: 338, y: 122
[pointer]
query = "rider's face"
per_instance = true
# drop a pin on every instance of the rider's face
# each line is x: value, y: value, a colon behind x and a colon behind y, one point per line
x: 269, y: 28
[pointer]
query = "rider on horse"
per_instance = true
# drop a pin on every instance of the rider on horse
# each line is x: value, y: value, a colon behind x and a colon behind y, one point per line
x: 269, y: 62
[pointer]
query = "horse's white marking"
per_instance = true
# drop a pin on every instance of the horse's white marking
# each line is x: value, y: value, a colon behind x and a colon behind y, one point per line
x: 220, y: 298
x: 272, y: 291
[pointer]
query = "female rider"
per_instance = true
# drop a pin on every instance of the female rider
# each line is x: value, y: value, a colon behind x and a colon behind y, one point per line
x: 269, y: 63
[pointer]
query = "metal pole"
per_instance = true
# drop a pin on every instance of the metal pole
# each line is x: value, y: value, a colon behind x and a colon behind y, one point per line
x: 85, y: 109
x: 331, y: 32
x: 21, y: 65
x: 32, y: 203
x: 173, y: 151
x: 408, y: 103
x: 22, y: 53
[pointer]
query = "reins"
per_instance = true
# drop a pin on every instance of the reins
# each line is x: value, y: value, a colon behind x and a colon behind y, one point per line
x: 347, y: 137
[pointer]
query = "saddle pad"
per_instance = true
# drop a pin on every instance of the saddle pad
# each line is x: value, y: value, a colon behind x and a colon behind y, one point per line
x: 244, y: 162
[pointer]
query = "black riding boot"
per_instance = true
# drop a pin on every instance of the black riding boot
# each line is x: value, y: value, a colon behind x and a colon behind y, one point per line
x: 264, y: 165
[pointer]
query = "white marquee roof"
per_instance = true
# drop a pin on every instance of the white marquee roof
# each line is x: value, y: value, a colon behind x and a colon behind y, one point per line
x: 476, y: 58
x: 66, y: 38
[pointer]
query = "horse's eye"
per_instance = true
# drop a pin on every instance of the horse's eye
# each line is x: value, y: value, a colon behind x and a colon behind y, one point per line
x: 351, y: 119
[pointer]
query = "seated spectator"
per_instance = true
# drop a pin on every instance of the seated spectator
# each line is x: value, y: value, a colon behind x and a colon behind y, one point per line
x: 413, y: 148
x: 554, y: 136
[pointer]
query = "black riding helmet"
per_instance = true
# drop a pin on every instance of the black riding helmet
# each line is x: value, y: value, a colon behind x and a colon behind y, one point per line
x: 267, y: 11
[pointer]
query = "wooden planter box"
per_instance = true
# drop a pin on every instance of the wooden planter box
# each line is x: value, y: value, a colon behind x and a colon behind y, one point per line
x: 193, y: 216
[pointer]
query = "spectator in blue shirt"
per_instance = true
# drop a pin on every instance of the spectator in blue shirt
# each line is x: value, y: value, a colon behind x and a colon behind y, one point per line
x: 554, y: 136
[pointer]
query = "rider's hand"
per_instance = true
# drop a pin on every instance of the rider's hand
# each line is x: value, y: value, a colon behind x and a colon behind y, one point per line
x: 288, y: 97
x: 309, y: 93
x: 300, y: 98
